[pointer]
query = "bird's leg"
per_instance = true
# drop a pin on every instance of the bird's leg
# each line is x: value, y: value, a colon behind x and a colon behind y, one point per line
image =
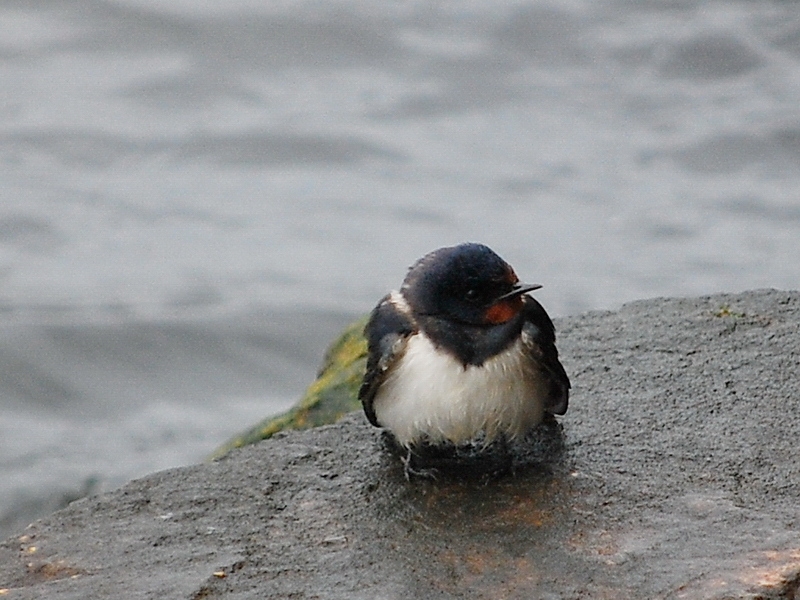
x: 410, y: 470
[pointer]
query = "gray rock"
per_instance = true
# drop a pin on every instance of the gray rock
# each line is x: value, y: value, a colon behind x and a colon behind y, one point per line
x: 678, y: 477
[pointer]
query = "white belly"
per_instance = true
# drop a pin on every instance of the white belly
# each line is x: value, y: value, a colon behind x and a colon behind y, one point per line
x: 432, y: 395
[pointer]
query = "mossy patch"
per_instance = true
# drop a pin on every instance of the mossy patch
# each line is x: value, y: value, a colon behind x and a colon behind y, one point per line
x: 725, y: 311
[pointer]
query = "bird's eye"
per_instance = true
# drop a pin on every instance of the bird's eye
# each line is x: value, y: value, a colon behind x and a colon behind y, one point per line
x: 472, y: 294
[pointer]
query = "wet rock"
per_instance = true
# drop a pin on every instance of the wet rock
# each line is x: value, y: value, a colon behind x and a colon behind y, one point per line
x: 676, y: 477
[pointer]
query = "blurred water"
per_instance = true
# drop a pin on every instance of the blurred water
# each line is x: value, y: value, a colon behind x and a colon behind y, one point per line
x: 195, y: 196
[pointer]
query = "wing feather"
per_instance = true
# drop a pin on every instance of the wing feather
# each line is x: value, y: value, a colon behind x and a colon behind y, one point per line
x: 387, y: 332
x: 539, y: 331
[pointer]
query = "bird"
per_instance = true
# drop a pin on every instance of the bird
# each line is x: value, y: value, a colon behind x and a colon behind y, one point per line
x: 460, y: 353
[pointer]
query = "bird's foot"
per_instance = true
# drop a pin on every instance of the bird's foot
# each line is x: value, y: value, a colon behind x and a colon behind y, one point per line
x: 411, y: 471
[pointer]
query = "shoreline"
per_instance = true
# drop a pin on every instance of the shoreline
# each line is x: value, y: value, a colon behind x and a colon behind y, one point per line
x: 678, y: 478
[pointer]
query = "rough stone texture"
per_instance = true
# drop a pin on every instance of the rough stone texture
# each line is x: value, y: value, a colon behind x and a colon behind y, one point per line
x: 678, y: 478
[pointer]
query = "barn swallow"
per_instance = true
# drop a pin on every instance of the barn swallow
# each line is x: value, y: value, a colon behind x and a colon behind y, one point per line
x: 461, y: 353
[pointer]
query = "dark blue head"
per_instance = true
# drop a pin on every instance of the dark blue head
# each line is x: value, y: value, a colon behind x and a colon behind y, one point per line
x: 467, y: 283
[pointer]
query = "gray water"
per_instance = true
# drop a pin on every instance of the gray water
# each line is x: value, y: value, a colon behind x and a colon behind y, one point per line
x: 196, y: 195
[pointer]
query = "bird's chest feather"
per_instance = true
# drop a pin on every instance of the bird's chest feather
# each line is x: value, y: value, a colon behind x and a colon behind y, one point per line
x: 430, y: 395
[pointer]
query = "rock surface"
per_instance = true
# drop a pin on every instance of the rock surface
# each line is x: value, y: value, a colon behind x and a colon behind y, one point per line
x: 678, y: 477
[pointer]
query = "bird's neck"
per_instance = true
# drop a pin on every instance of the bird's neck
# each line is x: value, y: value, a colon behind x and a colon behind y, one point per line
x: 470, y: 344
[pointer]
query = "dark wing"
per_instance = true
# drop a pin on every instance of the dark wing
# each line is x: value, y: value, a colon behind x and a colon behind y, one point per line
x: 540, y: 333
x: 387, y: 332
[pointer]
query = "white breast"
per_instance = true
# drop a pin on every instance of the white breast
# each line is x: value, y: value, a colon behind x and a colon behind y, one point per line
x: 430, y: 394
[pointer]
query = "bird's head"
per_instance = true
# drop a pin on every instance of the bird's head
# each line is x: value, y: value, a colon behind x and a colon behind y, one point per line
x: 467, y: 283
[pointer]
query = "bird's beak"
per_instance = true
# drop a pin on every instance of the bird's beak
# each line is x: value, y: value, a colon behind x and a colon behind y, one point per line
x: 518, y: 290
